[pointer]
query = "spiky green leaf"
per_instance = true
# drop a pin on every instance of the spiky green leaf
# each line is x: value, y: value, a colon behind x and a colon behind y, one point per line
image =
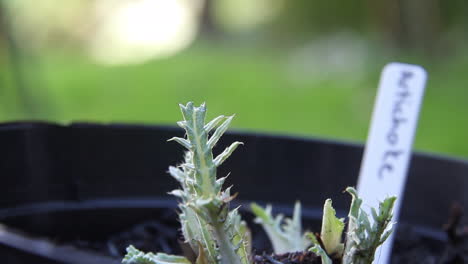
x: 285, y: 236
x: 213, y: 123
x: 205, y: 216
x: 219, y: 132
x: 332, y: 230
x: 226, y: 153
x: 182, y: 141
x: 135, y: 256
x: 362, y: 237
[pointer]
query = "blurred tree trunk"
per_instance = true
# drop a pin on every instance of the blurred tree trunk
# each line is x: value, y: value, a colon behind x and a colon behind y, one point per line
x: 409, y: 24
x: 11, y: 54
x: 207, y: 24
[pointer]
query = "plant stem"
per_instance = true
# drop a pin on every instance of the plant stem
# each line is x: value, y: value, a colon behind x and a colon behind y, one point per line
x: 226, y: 250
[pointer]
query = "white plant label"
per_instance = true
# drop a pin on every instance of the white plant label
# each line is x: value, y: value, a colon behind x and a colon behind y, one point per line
x: 388, y: 149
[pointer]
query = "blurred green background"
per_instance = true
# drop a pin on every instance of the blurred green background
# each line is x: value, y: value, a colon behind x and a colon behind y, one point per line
x: 298, y: 67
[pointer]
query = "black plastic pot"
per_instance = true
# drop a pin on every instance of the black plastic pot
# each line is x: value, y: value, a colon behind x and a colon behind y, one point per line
x: 89, y: 180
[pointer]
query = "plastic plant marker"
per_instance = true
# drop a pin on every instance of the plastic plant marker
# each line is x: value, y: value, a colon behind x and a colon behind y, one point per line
x: 388, y: 148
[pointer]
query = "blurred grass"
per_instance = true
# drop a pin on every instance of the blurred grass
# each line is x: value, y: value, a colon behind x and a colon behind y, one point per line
x: 256, y: 85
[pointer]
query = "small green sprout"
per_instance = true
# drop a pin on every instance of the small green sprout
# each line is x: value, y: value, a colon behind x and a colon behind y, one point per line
x: 138, y: 257
x: 330, y: 236
x: 362, y: 237
x: 285, y: 234
x: 318, y: 250
x: 332, y: 230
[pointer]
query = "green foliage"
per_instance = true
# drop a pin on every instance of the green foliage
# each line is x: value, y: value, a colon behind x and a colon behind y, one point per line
x: 218, y: 234
x: 330, y: 245
x: 285, y: 234
x: 332, y: 230
x: 362, y: 237
x: 134, y: 256
x: 317, y: 249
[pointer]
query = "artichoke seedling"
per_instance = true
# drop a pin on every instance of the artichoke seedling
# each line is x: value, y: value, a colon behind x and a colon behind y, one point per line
x: 215, y: 234
x: 285, y: 233
x: 361, y: 241
x: 363, y: 238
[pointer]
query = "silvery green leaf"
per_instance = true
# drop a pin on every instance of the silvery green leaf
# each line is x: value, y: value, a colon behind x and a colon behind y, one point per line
x: 204, y: 206
x: 196, y: 232
x: 188, y: 166
x: 213, y: 123
x: 220, y: 182
x: 182, y: 141
x: 134, y: 256
x: 187, y: 110
x: 182, y: 124
x: 226, y: 153
x: 178, y: 174
x: 226, y: 194
x: 239, y: 234
x: 356, y: 202
x: 386, y: 235
x: 219, y: 132
x: 162, y: 258
x: 200, y: 113
x: 285, y: 237
x: 362, y: 238
x: 179, y: 193
x: 319, y: 251
x: 374, y: 214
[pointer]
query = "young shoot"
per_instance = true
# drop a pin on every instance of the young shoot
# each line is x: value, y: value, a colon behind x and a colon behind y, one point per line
x: 361, y: 241
x: 214, y: 232
x: 285, y: 234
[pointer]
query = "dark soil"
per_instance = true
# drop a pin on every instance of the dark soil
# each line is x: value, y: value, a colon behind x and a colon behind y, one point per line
x: 289, y: 258
x: 410, y: 246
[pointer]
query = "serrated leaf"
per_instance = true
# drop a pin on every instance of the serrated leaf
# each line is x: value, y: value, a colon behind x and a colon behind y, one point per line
x: 204, y: 206
x: 188, y: 166
x: 332, y: 230
x: 319, y: 251
x: 213, y: 123
x: 355, y: 202
x: 226, y: 153
x: 374, y: 214
x: 312, y: 238
x: 135, y: 256
x: 178, y: 193
x: 220, y: 182
x: 247, y: 237
x: 182, y: 124
x: 195, y: 231
x: 178, y: 174
x: 386, y: 235
x: 285, y: 236
x: 186, y: 110
x: 182, y: 141
x: 162, y: 258
x: 362, y: 238
x: 240, y: 235
x: 219, y: 132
